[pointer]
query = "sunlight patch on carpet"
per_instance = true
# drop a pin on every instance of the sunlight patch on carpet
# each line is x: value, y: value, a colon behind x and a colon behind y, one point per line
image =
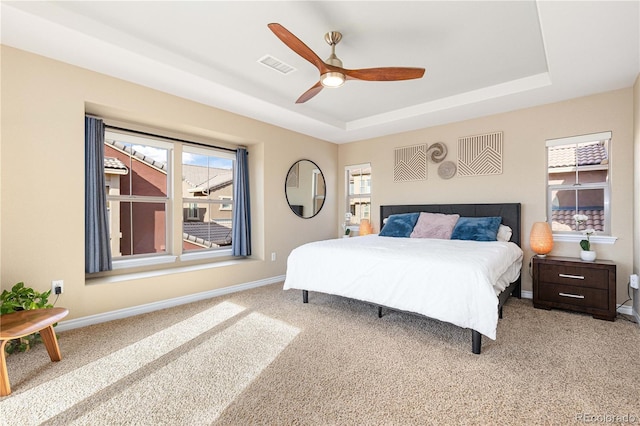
x: 220, y: 369
x: 47, y: 400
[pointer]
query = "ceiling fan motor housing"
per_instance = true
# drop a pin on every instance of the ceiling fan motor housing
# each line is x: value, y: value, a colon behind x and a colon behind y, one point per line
x: 333, y: 79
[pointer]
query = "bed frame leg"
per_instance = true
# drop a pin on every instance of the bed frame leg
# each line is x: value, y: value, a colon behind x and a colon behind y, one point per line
x: 500, y: 312
x: 379, y: 311
x: 518, y: 289
x: 305, y: 296
x: 476, y: 342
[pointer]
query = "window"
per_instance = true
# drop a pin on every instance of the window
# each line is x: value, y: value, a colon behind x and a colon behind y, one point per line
x: 226, y: 206
x: 358, y: 192
x: 137, y: 178
x: 193, y: 212
x: 578, y: 183
x: 207, y: 184
x: 140, y: 195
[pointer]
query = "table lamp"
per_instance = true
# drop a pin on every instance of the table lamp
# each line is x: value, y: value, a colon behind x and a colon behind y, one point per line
x: 365, y: 227
x: 541, y: 238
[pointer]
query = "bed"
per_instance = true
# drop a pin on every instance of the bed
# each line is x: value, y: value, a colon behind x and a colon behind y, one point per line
x: 465, y: 283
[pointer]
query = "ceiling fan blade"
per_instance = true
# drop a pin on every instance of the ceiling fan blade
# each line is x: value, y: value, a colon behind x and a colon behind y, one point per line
x: 384, y: 74
x: 298, y: 46
x: 310, y: 93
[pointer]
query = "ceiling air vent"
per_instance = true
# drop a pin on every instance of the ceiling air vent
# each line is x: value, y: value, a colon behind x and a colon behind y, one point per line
x: 276, y: 64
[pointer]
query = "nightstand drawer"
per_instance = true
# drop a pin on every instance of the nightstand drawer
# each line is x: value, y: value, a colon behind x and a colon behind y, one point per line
x: 575, y: 275
x: 574, y: 295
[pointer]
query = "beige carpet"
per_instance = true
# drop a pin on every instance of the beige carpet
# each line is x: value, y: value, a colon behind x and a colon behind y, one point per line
x: 263, y: 357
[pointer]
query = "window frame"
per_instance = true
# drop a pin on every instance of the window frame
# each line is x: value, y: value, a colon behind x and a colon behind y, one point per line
x: 351, y: 196
x: 604, y: 236
x: 145, y: 259
x: 173, y: 251
x: 209, y: 253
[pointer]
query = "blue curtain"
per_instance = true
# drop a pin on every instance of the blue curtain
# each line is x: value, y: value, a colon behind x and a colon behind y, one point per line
x: 241, y: 242
x: 97, y: 250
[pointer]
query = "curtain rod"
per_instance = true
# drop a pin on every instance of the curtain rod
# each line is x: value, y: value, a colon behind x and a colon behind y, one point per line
x: 169, y: 138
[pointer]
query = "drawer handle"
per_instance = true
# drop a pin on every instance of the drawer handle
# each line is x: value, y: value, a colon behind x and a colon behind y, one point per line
x: 575, y: 296
x: 575, y: 277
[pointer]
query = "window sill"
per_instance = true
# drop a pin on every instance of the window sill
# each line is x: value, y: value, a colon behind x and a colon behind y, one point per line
x: 576, y: 238
x: 130, y: 276
x: 167, y: 259
x: 146, y: 261
x: 204, y: 255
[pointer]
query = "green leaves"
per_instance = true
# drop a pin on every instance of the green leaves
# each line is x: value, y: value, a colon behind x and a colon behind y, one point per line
x: 585, y: 245
x: 22, y: 298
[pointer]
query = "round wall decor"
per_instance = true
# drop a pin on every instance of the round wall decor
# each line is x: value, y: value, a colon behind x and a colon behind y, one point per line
x: 447, y: 170
x: 437, y: 152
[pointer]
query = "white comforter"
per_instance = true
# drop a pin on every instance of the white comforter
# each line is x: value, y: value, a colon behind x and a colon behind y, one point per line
x: 450, y: 280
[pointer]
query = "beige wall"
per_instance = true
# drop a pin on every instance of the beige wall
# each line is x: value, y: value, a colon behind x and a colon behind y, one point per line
x: 42, y: 175
x: 524, y: 168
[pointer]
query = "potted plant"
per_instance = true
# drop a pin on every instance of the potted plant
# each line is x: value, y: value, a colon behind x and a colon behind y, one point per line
x: 586, y: 253
x: 18, y: 299
x: 345, y: 225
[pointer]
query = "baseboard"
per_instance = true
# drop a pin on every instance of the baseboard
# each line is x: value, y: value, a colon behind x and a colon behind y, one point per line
x: 163, y: 304
x: 623, y: 309
x: 636, y: 305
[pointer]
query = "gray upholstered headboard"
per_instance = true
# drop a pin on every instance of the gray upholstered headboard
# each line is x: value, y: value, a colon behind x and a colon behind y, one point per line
x: 510, y: 213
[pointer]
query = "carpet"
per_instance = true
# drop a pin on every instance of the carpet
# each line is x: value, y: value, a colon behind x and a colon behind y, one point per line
x: 263, y: 357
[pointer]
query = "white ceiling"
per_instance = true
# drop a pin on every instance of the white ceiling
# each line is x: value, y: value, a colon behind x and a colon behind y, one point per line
x: 481, y: 57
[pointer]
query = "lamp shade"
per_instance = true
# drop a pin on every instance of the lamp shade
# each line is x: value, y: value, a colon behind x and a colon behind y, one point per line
x: 365, y: 227
x: 541, y: 238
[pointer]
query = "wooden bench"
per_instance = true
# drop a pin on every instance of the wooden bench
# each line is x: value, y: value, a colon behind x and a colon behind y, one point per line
x: 23, y: 323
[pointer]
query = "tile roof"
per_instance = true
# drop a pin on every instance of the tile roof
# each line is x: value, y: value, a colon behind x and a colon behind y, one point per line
x: 138, y: 155
x: 563, y: 219
x: 207, y: 234
x: 587, y: 155
x: 115, y: 166
x: 201, y: 178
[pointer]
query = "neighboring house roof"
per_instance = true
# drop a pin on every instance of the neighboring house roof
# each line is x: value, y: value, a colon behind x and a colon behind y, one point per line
x: 206, y: 234
x: 587, y: 155
x: 162, y: 166
x: 198, y: 178
x: 205, y: 179
x: 563, y: 219
x: 114, y: 166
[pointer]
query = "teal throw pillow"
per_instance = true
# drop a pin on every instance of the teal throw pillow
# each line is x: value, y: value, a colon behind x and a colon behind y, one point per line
x: 477, y: 228
x: 399, y: 225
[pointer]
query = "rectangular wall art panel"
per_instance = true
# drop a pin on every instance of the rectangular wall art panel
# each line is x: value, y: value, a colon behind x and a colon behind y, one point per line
x: 410, y: 163
x: 480, y: 155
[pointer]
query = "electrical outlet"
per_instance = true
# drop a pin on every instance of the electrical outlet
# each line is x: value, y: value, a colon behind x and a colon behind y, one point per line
x: 57, y: 286
x: 273, y: 256
x: 633, y: 281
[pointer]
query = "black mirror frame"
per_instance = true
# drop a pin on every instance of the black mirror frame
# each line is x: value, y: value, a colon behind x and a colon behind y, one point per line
x: 287, y: 195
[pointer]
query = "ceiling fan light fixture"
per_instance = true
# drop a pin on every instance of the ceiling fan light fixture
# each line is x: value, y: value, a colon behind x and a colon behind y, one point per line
x: 332, y: 74
x: 332, y: 79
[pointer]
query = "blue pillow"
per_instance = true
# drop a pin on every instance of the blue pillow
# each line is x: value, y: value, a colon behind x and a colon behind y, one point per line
x: 477, y: 228
x: 399, y: 225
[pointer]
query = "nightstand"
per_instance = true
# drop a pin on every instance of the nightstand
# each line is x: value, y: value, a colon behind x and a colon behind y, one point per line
x: 572, y: 284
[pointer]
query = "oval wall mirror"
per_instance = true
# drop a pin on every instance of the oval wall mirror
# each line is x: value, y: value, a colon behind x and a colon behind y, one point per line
x: 305, y: 188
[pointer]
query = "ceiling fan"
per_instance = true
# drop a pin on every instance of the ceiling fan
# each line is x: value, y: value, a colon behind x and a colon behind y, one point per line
x: 331, y: 72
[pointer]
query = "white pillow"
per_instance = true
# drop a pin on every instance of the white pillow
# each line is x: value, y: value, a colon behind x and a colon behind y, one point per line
x: 504, y: 233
